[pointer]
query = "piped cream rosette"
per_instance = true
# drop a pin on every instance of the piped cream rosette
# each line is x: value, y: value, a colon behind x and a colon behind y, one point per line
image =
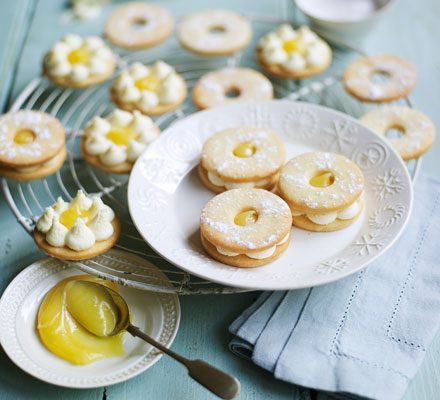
x: 151, y: 89
x: 79, y: 62
x: 79, y: 229
x: 113, y: 143
x: 293, y: 53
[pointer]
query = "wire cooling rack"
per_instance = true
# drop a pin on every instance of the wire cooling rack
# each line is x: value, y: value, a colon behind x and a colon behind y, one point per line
x: 74, y: 108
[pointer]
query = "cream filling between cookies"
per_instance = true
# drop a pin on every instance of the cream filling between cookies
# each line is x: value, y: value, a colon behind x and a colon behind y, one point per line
x: 77, y: 224
x: 260, y: 255
x: 327, y: 218
x: 134, y: 132
x: 294, y: 50
x: 48, y: 163
x: 129, y: 88
x: 215, y: 179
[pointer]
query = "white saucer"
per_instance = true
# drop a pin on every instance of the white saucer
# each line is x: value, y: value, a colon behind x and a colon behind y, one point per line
x: 165, y: 195
x: 157, y: 314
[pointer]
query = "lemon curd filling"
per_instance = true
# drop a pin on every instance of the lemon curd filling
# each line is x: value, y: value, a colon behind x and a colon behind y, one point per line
x: 294, y: 45
x: 62, y: 334
x: 323, y: 179
x: 92, y: 306
x: 245, y: 150
x: 246, y: 218
x: 79, y: 56
x: 68, y: 217
x: 24, y: 136
x: 150, y: 83
x: 121, y: 135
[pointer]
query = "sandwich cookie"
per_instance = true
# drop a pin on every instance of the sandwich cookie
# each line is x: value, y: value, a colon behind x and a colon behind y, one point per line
x: 113, y: 143
x: 323, y: 190
x: 77, y: 230
x: 399, y: 77
x: 418, y: 131
x: 243, y: 157
x: 136, y: 25
x: 245, y: 227
x: 32, y: 145
x: 214, y: 32
x: 293, y: 53
x: 230, y: 85
x: 78, y: 62
x: 151, y: 89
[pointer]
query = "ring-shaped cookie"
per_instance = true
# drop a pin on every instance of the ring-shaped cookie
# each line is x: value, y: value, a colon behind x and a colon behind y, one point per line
x: 257, y: 242
x: 417, y: 128
x: 323, y: 190
x: 215, y: 88
x: 29, y: 138
x: 241, y: 157
x: 137, y: 25
x: 214, y: 32
x: 400, y: 78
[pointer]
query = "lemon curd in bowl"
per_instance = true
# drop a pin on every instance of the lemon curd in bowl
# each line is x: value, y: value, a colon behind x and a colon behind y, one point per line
x: 63, y: 336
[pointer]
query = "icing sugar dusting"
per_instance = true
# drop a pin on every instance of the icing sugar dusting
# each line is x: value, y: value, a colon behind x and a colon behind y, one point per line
x: 273, y: 219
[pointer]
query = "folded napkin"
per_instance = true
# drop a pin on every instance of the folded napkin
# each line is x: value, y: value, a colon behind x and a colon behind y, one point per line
x: 364, y: 335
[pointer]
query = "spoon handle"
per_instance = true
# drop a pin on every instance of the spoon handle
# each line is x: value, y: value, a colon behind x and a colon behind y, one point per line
x: 218, y: 382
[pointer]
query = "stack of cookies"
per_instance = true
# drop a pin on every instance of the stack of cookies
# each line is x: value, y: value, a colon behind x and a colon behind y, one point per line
x: 248, y: 225
x: 32, y: 145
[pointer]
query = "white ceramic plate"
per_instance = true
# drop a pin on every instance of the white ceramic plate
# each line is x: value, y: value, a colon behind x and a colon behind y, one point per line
x: 156, y: 313
x: 165, y: 195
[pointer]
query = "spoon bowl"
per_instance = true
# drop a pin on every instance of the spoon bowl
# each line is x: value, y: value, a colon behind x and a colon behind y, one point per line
x: 111, y: 316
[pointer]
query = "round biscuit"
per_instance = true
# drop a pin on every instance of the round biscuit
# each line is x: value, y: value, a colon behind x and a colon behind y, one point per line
x: 295, y: 188
x: 137, y: 25
x: 65, y: 81
x: 214, y: 32
x: 50, y: 138
x: 159, y: 109
x: 218, y: 156
x: 278, y: 71
x: 217, y: 220
x: 401, y: 76
x: 212, y: 89
x: 64, y: 253
x: 418, y: 129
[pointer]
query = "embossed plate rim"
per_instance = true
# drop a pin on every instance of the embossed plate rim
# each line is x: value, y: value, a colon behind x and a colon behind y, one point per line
x: 371, y: 149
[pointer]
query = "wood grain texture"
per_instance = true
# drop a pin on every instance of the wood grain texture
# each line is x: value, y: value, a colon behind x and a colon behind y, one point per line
x: 12, y: 39
x: 410, y: 30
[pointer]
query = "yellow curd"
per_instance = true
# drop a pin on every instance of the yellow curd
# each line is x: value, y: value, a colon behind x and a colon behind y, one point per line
x: 60, y: 332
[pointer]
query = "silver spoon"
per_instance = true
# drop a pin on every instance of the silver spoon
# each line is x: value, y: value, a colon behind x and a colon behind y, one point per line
x: 218, y: 382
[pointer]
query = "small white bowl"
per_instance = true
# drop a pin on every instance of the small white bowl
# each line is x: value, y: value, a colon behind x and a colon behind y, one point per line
x: 344, y: 21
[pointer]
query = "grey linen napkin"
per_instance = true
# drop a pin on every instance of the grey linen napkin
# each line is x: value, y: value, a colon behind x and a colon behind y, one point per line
x: 365, y: 335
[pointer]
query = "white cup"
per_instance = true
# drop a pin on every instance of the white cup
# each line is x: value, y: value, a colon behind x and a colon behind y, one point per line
x: 344, y: 21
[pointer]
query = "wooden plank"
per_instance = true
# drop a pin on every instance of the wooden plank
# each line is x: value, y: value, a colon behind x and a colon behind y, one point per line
x: 14, y: 16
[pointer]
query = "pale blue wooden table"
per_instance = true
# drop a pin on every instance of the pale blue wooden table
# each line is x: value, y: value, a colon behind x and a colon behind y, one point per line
x: 27, y: 29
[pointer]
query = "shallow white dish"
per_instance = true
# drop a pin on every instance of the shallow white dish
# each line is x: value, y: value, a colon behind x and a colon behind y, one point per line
x: 344, y: 21
x: 165, y: 195
x: 157, y: 314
